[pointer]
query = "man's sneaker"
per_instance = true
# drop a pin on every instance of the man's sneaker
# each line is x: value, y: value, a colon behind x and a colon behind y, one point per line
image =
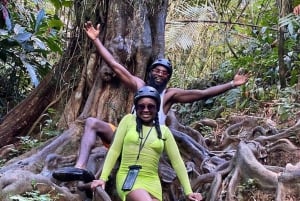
x: 73, y: 174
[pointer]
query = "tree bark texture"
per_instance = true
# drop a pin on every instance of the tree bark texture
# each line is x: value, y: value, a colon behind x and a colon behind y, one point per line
x: 83, y: 85
x: 134, y: 34
x: 284, y: 8
x: 133, y: 31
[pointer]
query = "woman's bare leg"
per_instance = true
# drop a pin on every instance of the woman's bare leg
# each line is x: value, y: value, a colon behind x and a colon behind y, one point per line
x: 140, y: 195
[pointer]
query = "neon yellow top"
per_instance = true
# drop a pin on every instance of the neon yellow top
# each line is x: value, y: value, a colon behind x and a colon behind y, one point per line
x: 127, y: 138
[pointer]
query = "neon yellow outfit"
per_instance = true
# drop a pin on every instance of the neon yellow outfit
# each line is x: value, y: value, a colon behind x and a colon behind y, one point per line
x: 127, y: 142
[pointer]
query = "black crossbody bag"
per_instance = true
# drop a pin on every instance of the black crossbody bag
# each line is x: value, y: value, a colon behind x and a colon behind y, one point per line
x: 131, y: 177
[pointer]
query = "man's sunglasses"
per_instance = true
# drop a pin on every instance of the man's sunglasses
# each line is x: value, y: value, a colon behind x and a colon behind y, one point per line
x: 160, y: 72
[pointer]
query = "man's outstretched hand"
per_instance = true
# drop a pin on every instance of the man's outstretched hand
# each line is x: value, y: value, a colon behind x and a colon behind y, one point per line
x: 297, y: 10
x: 91, y: 31
x: 240, y: 78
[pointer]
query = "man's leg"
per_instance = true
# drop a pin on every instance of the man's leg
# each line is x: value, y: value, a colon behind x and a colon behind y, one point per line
x: 92, y: 128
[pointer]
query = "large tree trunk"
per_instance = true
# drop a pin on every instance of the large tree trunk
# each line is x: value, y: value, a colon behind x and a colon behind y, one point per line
x: 132, y: 31
x: 284, y: 8
x: 19, y: 120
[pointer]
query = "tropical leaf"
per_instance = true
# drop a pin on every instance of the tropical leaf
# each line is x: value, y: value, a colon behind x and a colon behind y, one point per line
x: 40, y: 16
x: 56, y: 3
x: 22, y: 37
x: 67, y: 3
x: 39, y: 43
x: 31, y: 71
x: 185, y: 32
x: 55, y: 23
x: 53, y: 45
x: 289, y: 19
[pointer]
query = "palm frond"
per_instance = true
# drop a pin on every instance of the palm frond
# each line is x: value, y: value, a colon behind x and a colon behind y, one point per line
x: 290, y: 21
x: 184, y: 32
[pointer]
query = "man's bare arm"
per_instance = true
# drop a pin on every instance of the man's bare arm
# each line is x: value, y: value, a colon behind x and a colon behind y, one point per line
x: 131, y: 81
x: 186, y: 96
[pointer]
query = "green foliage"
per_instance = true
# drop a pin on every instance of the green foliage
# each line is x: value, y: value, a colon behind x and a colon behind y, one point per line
x: 26, y: 49
x: 13, y: 153
x: 59, y: 4
x: 48, y: 128
x: 33, y: 196
x: 250, y: 43
x: 286, y: 104
x: 291, y: 22
x: 247, y: 189
x: 249, y: 184
x: 30, y: 40
x: 27, y: 143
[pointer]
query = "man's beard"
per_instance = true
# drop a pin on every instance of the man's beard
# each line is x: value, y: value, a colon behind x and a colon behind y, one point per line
x: 159, y: 87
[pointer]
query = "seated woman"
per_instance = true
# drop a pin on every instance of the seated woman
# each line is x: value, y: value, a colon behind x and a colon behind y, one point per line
x: 140, y: 141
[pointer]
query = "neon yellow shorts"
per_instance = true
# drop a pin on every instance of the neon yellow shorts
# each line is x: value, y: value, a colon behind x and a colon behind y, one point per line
x: 113, y: 127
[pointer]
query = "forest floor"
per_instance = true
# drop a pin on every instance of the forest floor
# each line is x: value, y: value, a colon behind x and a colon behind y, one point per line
x: 249, y: 191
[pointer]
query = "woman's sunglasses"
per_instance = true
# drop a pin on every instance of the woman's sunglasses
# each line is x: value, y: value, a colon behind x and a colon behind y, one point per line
x: 142, y: 107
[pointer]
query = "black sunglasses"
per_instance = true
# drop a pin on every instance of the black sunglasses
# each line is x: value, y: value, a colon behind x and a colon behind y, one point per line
x: 142, y: 107
x: 158, y: 72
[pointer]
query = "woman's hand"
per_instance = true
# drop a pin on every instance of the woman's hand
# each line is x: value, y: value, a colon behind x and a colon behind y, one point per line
x: 91, y: 31
x: 97, y: 183
x: 195, y: 196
